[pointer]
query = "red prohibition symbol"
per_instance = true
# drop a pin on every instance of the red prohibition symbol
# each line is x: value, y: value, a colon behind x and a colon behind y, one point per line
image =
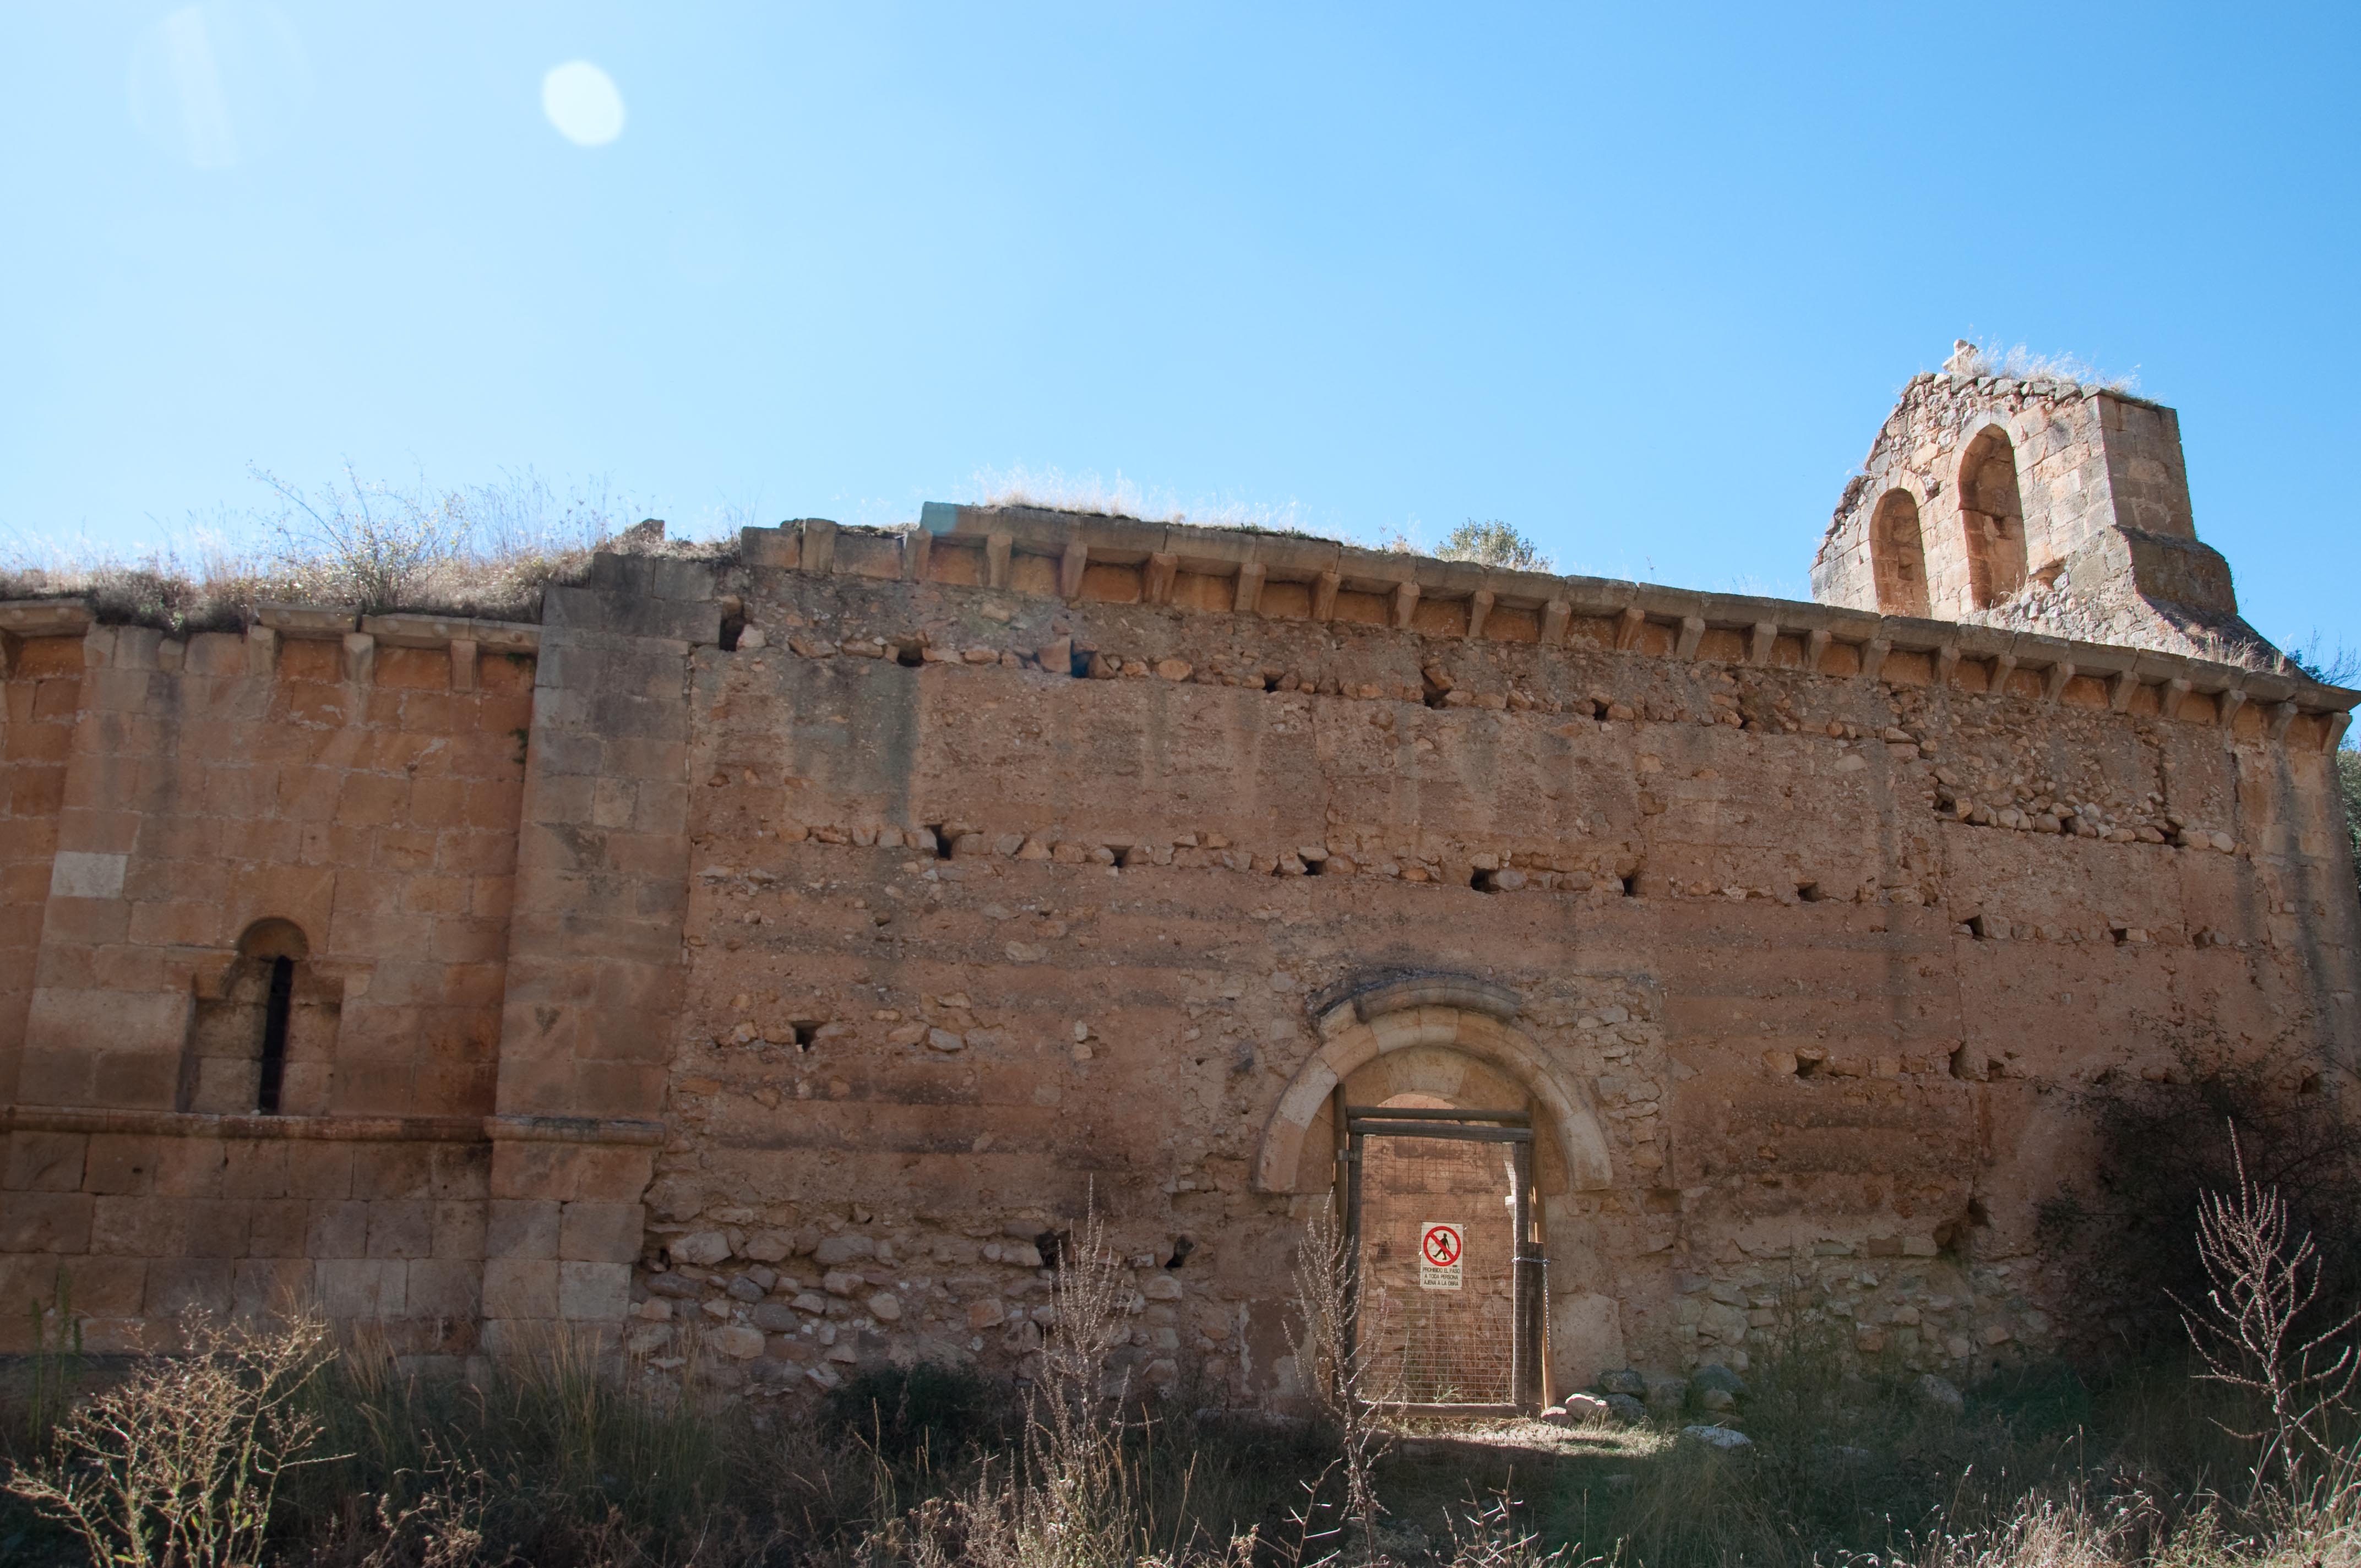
x: 1442, y: 1245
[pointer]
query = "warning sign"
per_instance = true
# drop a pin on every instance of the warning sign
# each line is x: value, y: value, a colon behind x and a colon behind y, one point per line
x: 1439, y: 1247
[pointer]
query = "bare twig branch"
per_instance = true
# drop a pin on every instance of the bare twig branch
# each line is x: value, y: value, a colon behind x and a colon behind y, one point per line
x: 2250, y: 1331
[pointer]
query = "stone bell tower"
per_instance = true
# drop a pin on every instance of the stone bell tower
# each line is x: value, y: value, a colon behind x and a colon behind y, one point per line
x: 2043, y: 504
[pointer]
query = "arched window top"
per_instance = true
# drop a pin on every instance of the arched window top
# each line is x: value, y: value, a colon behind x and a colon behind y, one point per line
x: 1897, y: 555
x: 273, y: 937
x: 1508, y: 1063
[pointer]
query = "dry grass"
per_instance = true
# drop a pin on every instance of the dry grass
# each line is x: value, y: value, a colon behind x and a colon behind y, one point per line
x: 2019, y: 363
x: 487, y: 550
x: 1053, y: 489
x: 557, y: 1459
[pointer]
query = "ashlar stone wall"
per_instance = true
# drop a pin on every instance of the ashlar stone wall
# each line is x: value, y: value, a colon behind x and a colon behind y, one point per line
x: 346, y: 797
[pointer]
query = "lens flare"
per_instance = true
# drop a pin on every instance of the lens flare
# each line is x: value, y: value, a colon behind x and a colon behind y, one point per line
x: 582, y: 102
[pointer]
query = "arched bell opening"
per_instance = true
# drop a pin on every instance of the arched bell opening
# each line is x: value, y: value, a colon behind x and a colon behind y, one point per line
x: 1991, y: 516
x: 1897, y: 555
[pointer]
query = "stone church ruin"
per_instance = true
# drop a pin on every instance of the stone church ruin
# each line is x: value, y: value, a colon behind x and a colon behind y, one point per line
x: 780, y: 950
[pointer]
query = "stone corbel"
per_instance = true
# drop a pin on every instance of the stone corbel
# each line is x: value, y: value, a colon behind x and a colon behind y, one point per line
x: 996, y: 548
x: 2333, y: 732
x: 2175, y: 690
x: 360, y: 658
x: 1815, y: 648
x: 1405, y: 605
x: 1628, y: 627
x: 2053, y: 685
x: 1692, y: 633
x: 1324, y: 595
x: 2119, y: 691
x: 1249, y: 591
x: 45, y: 618
x: 1071, y: 566
x: 918, y: 554
x: 1479, y: 605
x: 1156, y: 584
x: 2228, y: 704
x: 261, y: 652
x: 2282, y: 714
x: 1947, y: 662
x: 1554, y: 616
x: 2003, y: 666
x: 1765, y: 638
x: 463, y: 664
x: 1872, y: 656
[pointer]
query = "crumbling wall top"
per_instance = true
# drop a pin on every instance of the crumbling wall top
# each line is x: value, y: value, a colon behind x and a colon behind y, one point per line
x: 2041, y: 504
x: 1089, y: 557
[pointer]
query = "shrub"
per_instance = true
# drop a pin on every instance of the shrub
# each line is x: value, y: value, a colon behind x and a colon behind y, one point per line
x: 179, y: 1465
x: 926, y: 1410
x: 2348, y: 789
x: 1494, y: 543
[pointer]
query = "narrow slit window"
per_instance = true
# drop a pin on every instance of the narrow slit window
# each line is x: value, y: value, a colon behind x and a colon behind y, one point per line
x: 261, y: 1029
x: 274, y: 1036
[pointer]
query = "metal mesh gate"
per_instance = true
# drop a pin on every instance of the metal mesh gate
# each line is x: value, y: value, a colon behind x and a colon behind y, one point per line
x: 1448, y: 1265
x: 1427, y: 1343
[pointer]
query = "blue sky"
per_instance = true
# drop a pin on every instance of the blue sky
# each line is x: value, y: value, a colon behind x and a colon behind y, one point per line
x: 1642, y: 280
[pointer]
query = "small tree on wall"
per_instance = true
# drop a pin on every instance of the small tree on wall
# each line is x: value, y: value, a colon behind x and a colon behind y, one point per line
x: 2348, y: 786
x: 2338, y: 668
x: 1494, y: 543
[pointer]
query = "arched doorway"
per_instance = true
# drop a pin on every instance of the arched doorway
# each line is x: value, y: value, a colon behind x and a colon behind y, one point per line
x: 1897, y: 555
x: 1992, y: 514
x: 1467, y: 1070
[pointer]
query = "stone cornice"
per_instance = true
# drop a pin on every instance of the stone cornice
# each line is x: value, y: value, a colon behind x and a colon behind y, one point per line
x: 993, y: 545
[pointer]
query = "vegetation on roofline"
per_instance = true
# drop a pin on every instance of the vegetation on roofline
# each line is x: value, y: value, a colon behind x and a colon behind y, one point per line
x: 1495, y: 544
x: 2018, y: 363
x: 1490, y: 543
x: 484, y: 550
x: 488, y: 550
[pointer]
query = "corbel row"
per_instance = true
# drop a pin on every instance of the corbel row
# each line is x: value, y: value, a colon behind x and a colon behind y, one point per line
x: 360, y: 636
x: 1027, y: 549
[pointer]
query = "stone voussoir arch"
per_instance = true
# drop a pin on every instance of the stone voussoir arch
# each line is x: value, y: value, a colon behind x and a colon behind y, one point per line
x: 1473, y: 1018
